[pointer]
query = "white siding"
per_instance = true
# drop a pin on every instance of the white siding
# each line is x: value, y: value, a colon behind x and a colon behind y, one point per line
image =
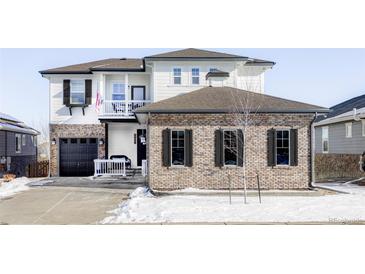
x: 59, y: 113
x: 134, y: 79
x: 248, y: 78
x: 121, y: 140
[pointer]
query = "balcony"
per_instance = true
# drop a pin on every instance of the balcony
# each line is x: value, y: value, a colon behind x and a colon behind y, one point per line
x: 120, y: 109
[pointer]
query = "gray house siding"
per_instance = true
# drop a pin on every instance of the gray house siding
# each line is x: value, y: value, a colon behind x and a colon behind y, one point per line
x: 337, y: 141
x: 18, y: 160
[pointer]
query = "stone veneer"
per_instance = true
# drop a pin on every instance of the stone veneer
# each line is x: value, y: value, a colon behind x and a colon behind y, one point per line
x: 73, y: 131
x: 204, y: 175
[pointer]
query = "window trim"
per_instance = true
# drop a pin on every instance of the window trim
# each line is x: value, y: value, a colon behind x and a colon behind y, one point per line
x: 350, y: 132
x: 77, y: 103
x: 276, y: 147
x: 112, y: 90
x: 24, y: 140
x: 173, y: 76
x: 325, y: 139
x: 18, y: 145
x: 171, y: 164
x: 224, y: 148
x: 191, y: 76
x: 363, y: 127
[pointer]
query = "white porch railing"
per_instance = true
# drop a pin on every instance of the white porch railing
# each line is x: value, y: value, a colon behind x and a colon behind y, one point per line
x: 144, y: 168
x: 121, y: 108
x: 109, y: 167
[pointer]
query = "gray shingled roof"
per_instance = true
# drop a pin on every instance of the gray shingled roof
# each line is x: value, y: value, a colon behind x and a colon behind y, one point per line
x: 195, y: 53
x: 112, y: 64
x: 10, y: 123
x: 227, y: 99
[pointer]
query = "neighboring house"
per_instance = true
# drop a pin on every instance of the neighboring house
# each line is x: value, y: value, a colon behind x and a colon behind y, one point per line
x: 196, y: 140
x: 92, y: 104
x: 18, y: 145
x: 340, y: 140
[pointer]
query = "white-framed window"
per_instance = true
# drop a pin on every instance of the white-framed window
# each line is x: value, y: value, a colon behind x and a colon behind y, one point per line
x: 24, y: 139
x: 348, y: 128
x: 282, y: 147
x: 363, y: 127
x: 177, y: 147
x: 195, y: 76
x: 18, y: 143
x: 230, y: 144
x: 325, y: 147
x: 176, y: 72
x: 213, y: 69
x: 118, y: 91
x: 77, y: 92
x: 34, y: 140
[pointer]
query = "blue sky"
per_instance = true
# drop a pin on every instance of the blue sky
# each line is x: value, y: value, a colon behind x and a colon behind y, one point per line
x: 319, y: 76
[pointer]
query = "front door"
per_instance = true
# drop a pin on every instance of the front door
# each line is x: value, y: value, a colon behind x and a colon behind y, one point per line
x: 139, y: 93
x: 141, y: 146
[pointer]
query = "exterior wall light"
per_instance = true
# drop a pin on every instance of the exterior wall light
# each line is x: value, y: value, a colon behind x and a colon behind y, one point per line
x: 54, y: 141
x: 101, y: 142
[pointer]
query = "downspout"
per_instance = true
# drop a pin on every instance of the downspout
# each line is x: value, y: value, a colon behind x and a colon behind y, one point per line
x: 312, y: 147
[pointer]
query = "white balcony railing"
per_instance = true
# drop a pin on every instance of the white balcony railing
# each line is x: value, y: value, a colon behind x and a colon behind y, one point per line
x: 121, y: 108
x: 109, y: 167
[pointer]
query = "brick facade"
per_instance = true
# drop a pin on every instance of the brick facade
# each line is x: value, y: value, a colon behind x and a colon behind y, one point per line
x: 73, y: 131
x: 204, y: 175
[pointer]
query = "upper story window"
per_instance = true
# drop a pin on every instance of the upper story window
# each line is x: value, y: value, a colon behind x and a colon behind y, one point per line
x: 77, y: 92
x: 230, y: 147
x: 118, y: 92
x: 282, y: 147
x: 177, y: 147
x: 213, y: 69
x: 34, y: 140
x: 348, y: 127
x: 18, y: 143
x: 325, y: 139
x: 24, y: 140
x: 195, y: 76
x: 177, y: 76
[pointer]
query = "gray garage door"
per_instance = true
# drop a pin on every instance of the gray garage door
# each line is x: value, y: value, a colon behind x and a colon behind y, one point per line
x: 77, y: 156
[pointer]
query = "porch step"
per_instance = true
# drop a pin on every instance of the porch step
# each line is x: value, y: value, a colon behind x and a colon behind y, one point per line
x: 134, y: 172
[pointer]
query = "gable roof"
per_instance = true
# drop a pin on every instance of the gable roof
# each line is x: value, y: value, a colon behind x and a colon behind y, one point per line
x: 111, y: 64
x: 343, y: 111
x: 225, y: 100
x: 10, y: 123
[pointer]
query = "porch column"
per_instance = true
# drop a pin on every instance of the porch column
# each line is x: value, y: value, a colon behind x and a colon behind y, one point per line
x: 126, y: 92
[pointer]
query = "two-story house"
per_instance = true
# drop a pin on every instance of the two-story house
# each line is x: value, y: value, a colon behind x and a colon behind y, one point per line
x: 92, y: 104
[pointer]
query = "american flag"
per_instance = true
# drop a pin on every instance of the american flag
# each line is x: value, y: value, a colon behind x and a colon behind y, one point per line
x: 98, y: 101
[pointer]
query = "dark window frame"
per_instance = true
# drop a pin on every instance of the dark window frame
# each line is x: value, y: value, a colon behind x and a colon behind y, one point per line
x: 177, y: 147
x: 224, y: 147
x: 282, y: 146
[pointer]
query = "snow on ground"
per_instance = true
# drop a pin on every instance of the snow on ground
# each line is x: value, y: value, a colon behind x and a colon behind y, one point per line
x: 143, y: 207
x: 14, y: 186
x: 343, y: 187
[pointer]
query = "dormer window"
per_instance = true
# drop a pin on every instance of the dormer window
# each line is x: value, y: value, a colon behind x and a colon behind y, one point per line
x: 195, y: 76
x: 77, y: 92
x: 177, y: 76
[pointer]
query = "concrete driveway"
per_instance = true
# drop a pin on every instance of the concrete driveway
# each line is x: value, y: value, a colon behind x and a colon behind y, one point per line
x: 60, y: 205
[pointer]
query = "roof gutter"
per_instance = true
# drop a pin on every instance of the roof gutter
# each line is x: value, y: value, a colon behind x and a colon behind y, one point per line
x: 351, y: 117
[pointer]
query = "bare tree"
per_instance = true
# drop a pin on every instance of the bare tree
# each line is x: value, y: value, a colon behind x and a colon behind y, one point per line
x: 43, y: 138
x: 244, y: 113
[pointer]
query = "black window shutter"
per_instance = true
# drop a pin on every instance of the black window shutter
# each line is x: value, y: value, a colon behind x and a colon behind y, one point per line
x: 293, y: 147
x: 88, y: 91
x: 218, y: 157
x: 271, y: 147
x: 240, y: 144
x: 66, y: 92
x: 166, y: 147
x: 188, y: 147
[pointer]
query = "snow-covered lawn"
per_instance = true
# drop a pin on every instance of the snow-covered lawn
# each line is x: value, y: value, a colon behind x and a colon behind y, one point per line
x: 14, y: 186
x: 143, y: 207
